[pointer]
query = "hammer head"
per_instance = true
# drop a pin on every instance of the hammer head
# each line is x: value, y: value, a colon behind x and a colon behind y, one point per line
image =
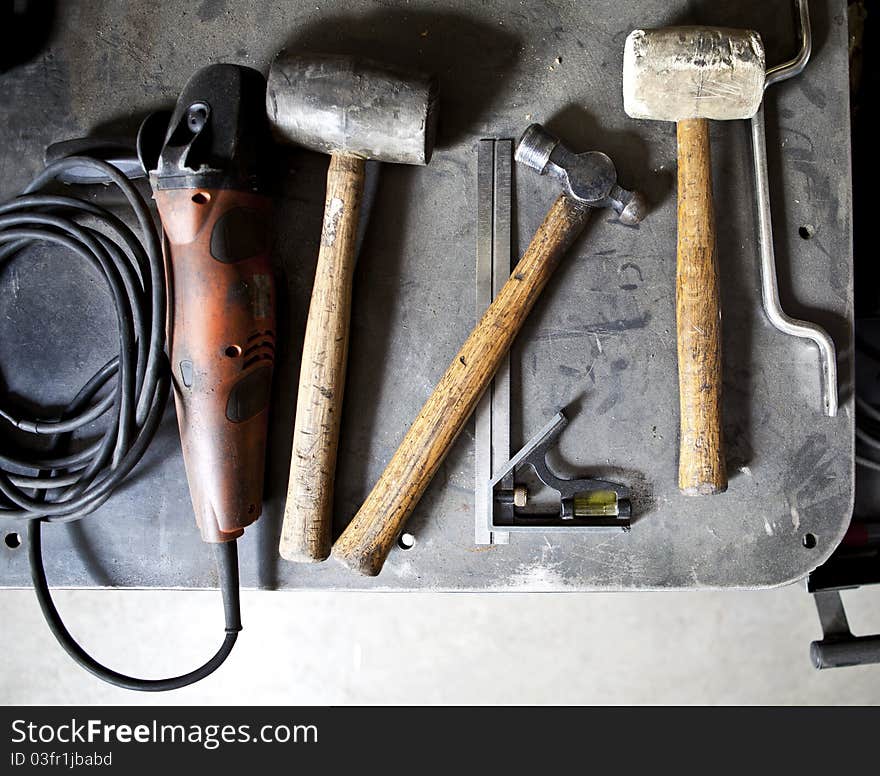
x: 336, y: 104
x: 589, y: 178
x: 681, y: 73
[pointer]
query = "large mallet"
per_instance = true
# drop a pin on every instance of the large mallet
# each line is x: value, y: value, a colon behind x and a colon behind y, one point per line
x: 689, y: 75
x: 354, y: 110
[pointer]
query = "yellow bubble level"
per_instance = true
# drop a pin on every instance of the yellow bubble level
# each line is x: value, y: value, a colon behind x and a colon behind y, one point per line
x: 596, y: 503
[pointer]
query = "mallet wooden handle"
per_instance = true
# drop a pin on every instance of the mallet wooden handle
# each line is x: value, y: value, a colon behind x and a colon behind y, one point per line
x: 701, y: 467
x: 305, y: 532
x: 368, y: 539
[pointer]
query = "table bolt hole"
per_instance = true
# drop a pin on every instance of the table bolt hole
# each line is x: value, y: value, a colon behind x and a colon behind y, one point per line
x: 406, y: 541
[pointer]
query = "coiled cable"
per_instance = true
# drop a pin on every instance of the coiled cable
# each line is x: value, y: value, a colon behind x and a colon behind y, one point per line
x: 129, y: 392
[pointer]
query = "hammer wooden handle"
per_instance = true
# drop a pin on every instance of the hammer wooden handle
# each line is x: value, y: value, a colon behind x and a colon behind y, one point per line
x: 701, y: 465
x: 366, y: 542
x: 308, y: 513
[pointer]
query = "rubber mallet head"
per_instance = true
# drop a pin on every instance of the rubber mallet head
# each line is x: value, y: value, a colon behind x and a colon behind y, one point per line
x: 681, y: 73
x: 353, y: 107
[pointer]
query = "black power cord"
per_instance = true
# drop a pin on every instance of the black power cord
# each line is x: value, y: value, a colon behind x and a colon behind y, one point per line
x: 66, y: 484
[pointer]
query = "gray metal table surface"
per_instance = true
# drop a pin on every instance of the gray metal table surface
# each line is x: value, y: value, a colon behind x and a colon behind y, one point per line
x: 601, y: 337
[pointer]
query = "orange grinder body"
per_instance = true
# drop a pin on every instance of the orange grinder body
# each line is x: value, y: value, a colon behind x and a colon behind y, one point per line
x: 221, y: 290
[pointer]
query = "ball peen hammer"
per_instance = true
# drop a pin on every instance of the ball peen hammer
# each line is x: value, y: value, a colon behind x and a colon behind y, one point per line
x: 589, y: 181
x: 354, y: 110
x: 689, y: 75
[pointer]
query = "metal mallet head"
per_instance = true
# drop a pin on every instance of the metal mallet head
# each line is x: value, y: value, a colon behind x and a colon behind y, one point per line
x: 589, y: 178
x: 681, y: 73
x: 354, y: 107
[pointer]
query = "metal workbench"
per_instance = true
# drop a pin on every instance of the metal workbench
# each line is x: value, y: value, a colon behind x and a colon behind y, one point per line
x: 602, y: 336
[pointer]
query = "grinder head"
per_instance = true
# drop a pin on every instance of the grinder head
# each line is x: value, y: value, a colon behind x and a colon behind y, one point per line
x: 337, y: 104
x: 681, y: 73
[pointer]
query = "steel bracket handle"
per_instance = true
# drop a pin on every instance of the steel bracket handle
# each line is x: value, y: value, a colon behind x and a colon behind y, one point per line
x: 769, y: 283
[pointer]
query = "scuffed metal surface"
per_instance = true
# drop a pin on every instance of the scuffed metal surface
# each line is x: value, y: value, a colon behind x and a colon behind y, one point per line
x: 602, y: 336
x: 336, y: 104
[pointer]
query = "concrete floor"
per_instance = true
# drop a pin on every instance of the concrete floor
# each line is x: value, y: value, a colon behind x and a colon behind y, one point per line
x: 355, y: 648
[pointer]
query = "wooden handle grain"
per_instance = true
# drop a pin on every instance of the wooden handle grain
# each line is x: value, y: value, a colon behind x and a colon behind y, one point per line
x: 368, y: 539
x: 305, y: 532
x: 701, y: 466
